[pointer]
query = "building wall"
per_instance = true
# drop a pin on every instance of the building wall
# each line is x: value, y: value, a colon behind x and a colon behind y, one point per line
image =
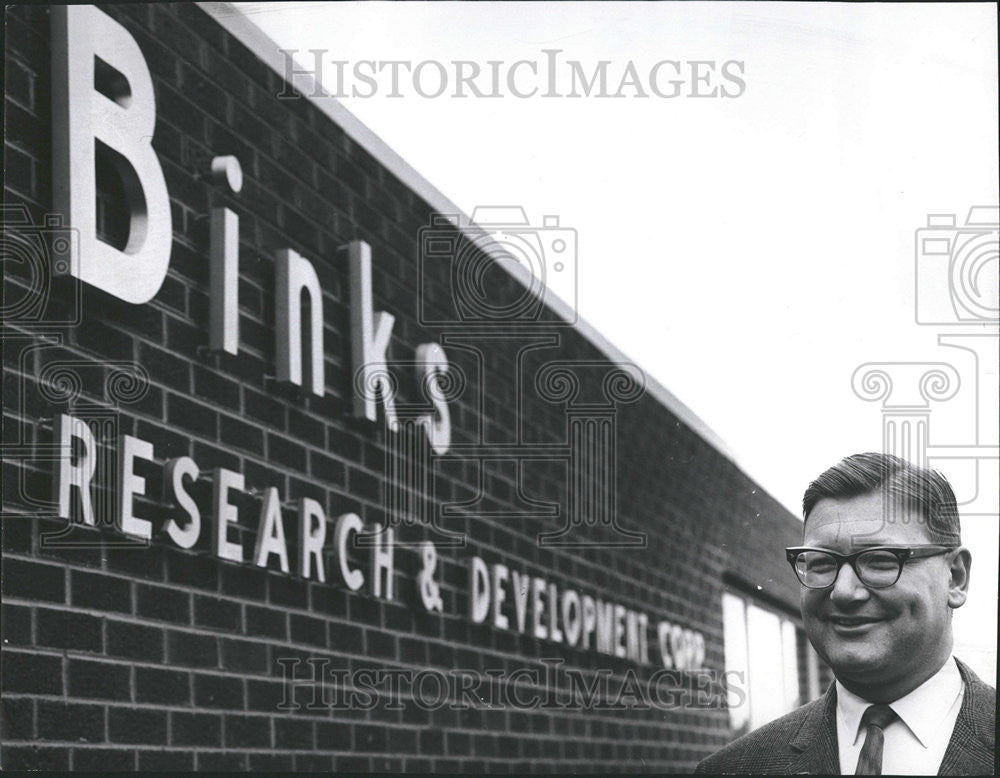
x: 120, y: 655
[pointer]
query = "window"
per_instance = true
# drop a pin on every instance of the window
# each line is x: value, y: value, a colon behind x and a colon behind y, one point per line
x: 764, y: 653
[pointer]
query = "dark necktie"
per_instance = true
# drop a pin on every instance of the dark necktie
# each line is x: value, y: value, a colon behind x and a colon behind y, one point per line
x: 877, y: 717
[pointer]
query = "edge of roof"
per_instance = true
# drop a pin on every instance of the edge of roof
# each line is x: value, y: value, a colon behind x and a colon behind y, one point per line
x: 240, y: 26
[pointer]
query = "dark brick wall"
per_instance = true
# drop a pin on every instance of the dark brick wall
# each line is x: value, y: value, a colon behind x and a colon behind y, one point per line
x: 121, y: 656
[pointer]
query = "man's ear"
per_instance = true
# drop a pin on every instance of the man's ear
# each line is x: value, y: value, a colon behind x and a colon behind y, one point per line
x: 961, y: 564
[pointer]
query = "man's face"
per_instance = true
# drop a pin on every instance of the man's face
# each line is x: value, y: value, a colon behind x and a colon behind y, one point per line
x: 877, y: 638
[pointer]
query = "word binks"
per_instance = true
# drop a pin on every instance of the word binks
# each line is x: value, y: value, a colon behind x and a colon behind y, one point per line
x: 103, y: 108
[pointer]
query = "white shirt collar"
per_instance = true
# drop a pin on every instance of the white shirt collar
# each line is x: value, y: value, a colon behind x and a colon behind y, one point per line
x: 922, y: 711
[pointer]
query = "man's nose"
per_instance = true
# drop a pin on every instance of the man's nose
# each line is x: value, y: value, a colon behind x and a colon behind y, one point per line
x: 847, y: 587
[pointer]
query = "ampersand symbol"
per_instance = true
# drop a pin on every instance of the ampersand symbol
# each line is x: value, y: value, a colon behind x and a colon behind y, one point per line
x: 430, y: 590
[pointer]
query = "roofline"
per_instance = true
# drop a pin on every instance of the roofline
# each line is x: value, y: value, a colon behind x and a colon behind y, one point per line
x: 239, y: 25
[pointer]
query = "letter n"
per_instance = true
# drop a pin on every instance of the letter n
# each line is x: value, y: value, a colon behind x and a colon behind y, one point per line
x: 293, y: 275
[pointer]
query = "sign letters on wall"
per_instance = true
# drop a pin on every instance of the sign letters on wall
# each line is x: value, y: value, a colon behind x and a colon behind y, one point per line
x: 104, y: 110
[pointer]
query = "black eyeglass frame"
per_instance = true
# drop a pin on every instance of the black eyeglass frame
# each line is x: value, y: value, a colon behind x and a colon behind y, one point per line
x: 902, y: 553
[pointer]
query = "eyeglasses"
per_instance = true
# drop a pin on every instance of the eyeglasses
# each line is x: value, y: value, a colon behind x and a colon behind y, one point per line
x: 878, y: 567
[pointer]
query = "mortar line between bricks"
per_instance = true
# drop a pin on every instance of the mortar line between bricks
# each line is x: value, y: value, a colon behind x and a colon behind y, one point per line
x: 23, y: 150
x: 121, y: 746
x: 613, y: 714
x: 329, y: 714
x: 220, y: 672
x: 265, y: 153
x: 377, y: 506
x: 257, y: 603
x: 350, y: 722
x: 122, y: 617
x: 218, y: 595
x: 326, y: 452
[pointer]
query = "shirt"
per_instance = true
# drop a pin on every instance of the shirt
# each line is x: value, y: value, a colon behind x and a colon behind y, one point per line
x: 915, y: 743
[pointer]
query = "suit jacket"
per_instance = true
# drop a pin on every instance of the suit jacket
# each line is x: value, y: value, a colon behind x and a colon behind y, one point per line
x: 805, y: 740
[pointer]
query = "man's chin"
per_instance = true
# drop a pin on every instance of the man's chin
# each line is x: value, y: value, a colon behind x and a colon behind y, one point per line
x: 857, y: 662
x: 858, y: 670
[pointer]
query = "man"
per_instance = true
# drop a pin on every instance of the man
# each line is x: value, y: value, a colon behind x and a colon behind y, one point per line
x: 881, y: 568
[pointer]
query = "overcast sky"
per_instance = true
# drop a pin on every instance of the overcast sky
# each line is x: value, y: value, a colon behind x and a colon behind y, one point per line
x: 748, y: 251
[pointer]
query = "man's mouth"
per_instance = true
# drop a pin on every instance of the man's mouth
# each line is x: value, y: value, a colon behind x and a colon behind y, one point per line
x: 852, y: 623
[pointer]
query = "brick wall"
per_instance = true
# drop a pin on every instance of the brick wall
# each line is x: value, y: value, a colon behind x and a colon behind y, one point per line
x: 122, y: 656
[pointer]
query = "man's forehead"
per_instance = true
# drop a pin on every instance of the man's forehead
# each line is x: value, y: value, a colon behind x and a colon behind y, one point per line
x: 864, y: 521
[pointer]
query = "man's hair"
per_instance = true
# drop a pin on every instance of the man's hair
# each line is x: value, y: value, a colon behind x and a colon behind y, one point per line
x: 908, y: 486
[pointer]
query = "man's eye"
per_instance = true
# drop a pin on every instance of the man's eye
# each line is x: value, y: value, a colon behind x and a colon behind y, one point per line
x: 818, y: 565
x: 880, y: 561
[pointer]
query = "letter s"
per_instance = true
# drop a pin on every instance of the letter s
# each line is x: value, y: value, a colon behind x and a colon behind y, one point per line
x: 726, y: 66
x: 431, y: 364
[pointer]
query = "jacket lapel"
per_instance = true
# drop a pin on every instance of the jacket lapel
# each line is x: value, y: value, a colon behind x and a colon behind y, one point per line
x: 814, y: 747
x: 970, y: 750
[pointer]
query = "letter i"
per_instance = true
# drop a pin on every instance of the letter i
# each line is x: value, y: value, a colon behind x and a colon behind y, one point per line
x: 224, y: 315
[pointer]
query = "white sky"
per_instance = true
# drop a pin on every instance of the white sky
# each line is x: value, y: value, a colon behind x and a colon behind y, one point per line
x: 748, y: 253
